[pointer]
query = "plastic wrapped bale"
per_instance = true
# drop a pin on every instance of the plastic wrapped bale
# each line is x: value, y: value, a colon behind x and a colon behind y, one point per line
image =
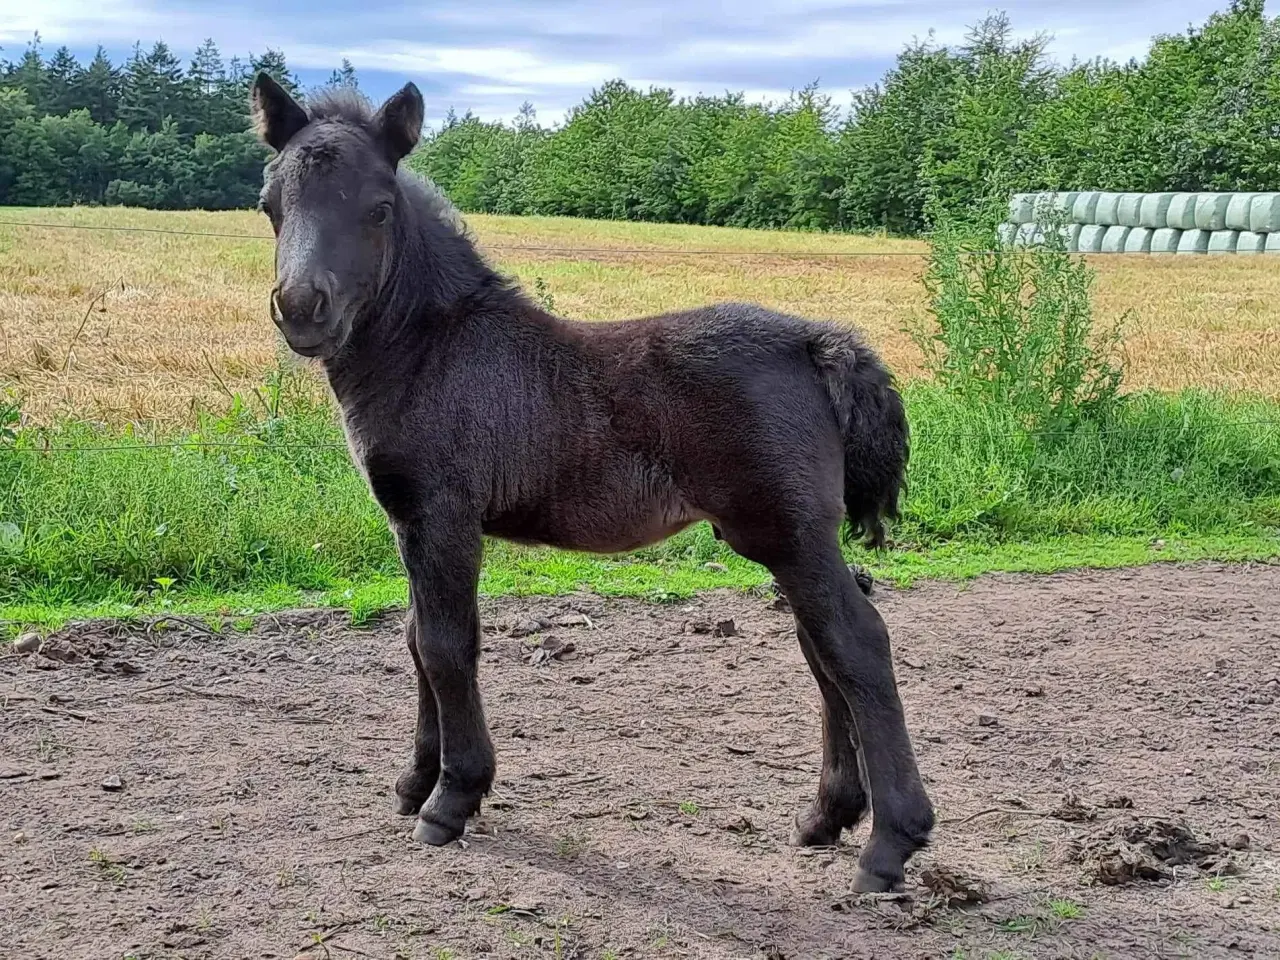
x: 1115, y: 238
x: 1022, y: 208
x: 1107, y: 211
x: 1165, y: 240
x: 1273, y: 243
x: 1239, y: 209
x: 1182, y: 211
x: 1154, y: 211
x: 1085, y: 209
x: 1249, y: 243
x: 1264, y: 213
x: 1223, y: 241
x: 1138, y: 241
x: 1211, y: 211
x: 1006, y: 234
x: 1194, y: 241
x: 1070, y: 233
x: 1063, y: 203
x: 1090, y: 239
x: 1130, y: 210
x: 1029, y: 235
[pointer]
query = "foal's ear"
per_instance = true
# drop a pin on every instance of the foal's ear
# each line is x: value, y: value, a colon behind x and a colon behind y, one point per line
x: 399, y: 123
x: 276, y: 115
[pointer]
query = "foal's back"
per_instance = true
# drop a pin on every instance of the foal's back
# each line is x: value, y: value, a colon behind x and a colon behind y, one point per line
x: 646, y: 426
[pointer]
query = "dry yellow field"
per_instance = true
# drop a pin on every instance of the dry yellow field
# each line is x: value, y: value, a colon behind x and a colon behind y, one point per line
x: 118, y: 326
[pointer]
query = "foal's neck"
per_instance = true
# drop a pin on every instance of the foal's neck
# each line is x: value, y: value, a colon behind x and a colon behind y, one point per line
x: 435, y: 279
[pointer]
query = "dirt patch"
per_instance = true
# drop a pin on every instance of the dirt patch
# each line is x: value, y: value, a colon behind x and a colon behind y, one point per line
x: 171, y: 791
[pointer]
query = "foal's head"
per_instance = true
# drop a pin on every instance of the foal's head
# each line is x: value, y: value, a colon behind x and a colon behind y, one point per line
x: 333, y: 199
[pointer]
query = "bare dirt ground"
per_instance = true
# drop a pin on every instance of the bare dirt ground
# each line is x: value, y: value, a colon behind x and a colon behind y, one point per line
x: 1103, y: 750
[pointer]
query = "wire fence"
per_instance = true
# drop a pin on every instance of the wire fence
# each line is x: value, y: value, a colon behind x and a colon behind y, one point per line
x: 40, y: 448
x: 570, y: 251
x: 513, y: 247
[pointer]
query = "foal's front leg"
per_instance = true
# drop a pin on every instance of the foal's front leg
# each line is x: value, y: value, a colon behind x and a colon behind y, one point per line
x: 419, y: 778
x: 442, y: 555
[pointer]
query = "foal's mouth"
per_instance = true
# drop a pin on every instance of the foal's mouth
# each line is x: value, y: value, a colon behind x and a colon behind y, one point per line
x: 323, y: 350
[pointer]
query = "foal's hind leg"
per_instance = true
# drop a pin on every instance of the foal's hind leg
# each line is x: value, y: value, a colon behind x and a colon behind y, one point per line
x: 417, y: 781
x: 842, y: 799
x: 851, y: 644
x: 848, y: 650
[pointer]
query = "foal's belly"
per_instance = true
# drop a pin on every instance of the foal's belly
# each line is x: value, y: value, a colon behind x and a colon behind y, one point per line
x: 596, y: 527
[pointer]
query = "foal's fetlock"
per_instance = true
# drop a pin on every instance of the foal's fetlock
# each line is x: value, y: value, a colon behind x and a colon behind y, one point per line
x: 820, y: 825
x: 413, y: 787
x: 815, y: 828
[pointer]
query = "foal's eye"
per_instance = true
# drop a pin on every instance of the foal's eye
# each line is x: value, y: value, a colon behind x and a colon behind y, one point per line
x: 379, y: 215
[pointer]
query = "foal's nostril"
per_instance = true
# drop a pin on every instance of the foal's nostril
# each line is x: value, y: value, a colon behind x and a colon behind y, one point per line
x: 324, y: 286
x: 320, y: 313
x: 277, y: 311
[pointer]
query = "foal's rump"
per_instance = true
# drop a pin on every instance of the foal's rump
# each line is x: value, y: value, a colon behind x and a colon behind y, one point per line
x: 773, y: 410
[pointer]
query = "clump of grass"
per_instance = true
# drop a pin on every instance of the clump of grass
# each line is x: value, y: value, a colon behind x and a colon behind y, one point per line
x: 108, y: 866
x: 1064, y: 909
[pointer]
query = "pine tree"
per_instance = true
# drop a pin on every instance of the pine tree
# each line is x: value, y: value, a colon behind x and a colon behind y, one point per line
x: 97, y: 88
x: 28, y: 75
x: 61, y: 74
x: 206, y: 90
x: 345, y: 77
x: 153, y: 88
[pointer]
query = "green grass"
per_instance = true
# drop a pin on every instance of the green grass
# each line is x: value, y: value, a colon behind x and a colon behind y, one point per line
x: 284, y: 519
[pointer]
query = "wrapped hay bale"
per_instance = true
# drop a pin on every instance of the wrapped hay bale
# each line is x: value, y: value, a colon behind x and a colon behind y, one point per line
x: 1114, y: 239
x: 1063, y: 203
x: 1130, y: 210
x: 1070, y: 233
x: 1029, y: 235
x: 1022, y: 208
x: 1085, y: 209
x: 1165, y: 240
x: 1273, y: 243
x: 1107, y: 211
x: 1138, y: 241
x: 1194, y: 241
x: 1264, y: 213
x: 1090, y: 239
x: 1239, y: 209
x: 1006, y: 234
x: 1154, y: 211
x: 1250, y: 243
x: 1223, y: 241
x: 1182, y: 211
x: 1211, y: 211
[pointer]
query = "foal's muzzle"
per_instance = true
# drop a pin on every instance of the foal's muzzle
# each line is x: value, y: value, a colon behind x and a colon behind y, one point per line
x: 309, y: 315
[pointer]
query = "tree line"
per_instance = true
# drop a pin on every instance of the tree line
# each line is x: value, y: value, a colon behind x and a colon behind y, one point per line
x: 948, y: 130
x: 144, y: 133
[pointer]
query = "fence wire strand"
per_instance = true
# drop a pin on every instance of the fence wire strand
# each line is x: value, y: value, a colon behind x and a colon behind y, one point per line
x: 267, y: 446
x: 553, y: 249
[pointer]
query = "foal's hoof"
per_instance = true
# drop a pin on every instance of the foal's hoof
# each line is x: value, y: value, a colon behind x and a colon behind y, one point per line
x: 866, y: 882
x: 434, y: 834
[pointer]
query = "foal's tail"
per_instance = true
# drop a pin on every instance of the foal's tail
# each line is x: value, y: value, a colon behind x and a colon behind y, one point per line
x: 873, y: 426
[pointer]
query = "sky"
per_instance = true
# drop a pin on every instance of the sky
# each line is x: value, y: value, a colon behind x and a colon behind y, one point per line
x: 489, y: 57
